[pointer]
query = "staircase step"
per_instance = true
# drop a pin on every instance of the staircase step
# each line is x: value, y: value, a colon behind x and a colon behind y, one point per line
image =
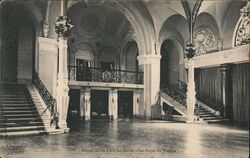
x: 23, y: 133
x: 13, y: 101
x: 19, y: 108
x: 20, y: 112
x: 19, y: 115
x: 17, y: 105
x: 204, y: 115
x: 13, y: 96
x: 14, y: 124
x: 23, y: 128
x: 20, y: 119
x: 211, y: 118
x: 16, y: 99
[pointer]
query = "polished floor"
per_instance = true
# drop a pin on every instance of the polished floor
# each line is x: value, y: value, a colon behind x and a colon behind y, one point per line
x: 134, y: 139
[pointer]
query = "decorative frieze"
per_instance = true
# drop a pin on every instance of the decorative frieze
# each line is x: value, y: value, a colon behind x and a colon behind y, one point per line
x: 204, y: 39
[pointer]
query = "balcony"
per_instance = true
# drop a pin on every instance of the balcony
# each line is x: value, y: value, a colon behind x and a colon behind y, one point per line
x: 93, y: 74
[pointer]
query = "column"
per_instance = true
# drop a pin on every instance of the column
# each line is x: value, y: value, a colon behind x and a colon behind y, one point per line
x: 86, y: 101
x: 136, y: 102
x: 151, y: 69
x: 226, y: 90
x: 82, y: 100
x: 62, y: 84
x: 190, y: 92
x: 113, y: 104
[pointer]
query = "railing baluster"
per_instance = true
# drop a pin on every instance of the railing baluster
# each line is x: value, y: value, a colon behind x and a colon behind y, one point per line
x: 46, y: 96
x: 100, y: 75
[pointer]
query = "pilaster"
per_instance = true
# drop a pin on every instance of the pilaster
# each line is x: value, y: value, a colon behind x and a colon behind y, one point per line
x: 136, y: 102
x: 151, y: 69
x: 226, y: 90
x: 113, y: 104
x: 191, y: 99
x: 86, y: 104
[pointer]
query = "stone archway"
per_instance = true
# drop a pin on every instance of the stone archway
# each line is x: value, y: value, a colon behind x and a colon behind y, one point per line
x: 18, y: 32
x: 172, y: 68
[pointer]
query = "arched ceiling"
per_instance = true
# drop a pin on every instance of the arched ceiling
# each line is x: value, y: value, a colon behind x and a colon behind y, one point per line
x: 96, y: 21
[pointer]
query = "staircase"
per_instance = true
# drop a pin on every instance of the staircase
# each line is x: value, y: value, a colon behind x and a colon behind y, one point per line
x: 206, y: 115
x: 176, y: 98
x: 19, y: 115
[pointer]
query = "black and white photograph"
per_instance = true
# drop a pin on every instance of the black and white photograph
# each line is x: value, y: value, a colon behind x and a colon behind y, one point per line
x: 124, y: 78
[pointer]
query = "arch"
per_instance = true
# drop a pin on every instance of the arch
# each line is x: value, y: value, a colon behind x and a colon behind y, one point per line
x: 241, y: 33
x: 84, y: 51
x: 229, y: 21
x: 131, y: 53
x: 140, y: 20
x: 175, y: 26
x: 31, y: 9
x: 172, y: 68
x: 17, y: 43
x: 206, y: 20
x: 108, y: 54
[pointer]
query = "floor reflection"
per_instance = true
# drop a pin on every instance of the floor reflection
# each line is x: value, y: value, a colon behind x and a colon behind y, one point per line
x: 136, y: 138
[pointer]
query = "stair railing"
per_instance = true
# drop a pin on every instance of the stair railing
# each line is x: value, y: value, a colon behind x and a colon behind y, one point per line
x: 46, y: 96
x: 177, y: 93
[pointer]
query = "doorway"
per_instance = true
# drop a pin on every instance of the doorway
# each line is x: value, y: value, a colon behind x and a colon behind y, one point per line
x: 106, y: 66
x: 17, y: 44
x: 125, y: 104
x: 99, y: 104
x: 73, y: 116
x: 83, y: 70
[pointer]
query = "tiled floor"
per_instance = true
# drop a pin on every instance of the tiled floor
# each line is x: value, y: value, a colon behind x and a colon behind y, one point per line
x: 135, y: 139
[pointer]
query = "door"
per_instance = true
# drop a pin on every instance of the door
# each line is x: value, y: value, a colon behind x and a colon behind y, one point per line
x: 125, y: 104
x: 99, y: 104
x: 83, y: 70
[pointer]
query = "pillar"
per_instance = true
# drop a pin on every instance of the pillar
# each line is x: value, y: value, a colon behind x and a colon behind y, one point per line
x: 82, y: 100
x: 150, y: 64
x: 226, y: 90
x: 136, y: 102
x: 62, y: 84
x: 190, y: 92
x: 86, y: 104
x: 113, y: 104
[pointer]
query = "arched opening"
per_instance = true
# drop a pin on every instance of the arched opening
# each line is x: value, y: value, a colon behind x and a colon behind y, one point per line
x: 104, y: 31
x: 17, y: 44
x: 172, y: 69
x: 131, y: 56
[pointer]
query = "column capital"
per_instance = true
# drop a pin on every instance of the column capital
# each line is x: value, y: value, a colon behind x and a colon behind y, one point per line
x: 148, y: 59
x: 63, y: 26
x: 114, y: 90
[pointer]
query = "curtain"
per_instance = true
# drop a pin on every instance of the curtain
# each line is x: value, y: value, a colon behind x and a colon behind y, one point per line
x: 208, y: 86
x: 241, y: 79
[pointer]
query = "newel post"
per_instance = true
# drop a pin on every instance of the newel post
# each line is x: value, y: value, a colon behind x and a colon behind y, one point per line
x: 62, y: 28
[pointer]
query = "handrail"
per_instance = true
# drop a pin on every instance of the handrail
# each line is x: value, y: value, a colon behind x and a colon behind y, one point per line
x: 46, y: 96
x: 176, y: 94
x: 95, y: 74
x: 209, y: 104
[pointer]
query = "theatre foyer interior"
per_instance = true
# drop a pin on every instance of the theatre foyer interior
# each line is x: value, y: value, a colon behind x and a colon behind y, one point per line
x: 133, y: 78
